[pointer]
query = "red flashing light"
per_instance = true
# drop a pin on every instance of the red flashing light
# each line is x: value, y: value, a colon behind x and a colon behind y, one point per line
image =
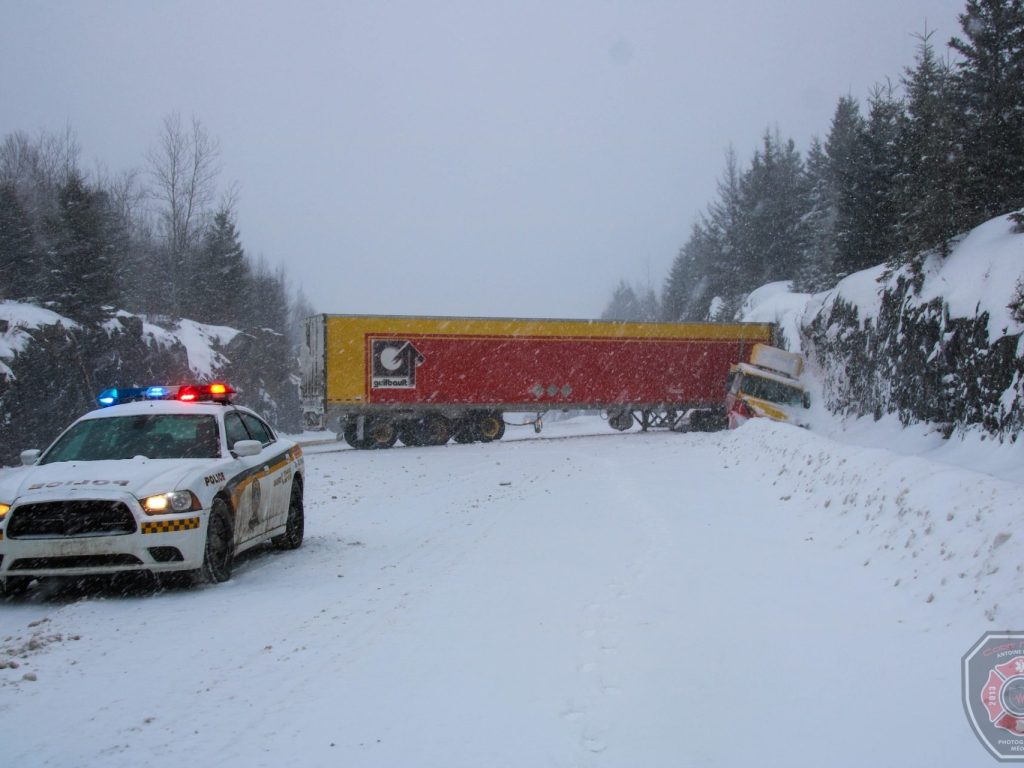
x: 217, y: 391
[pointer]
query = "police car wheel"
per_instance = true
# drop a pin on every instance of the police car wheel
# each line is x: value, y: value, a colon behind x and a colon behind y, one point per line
x: 219, y: 552
x: 296, y: 522
x: 14, y: 585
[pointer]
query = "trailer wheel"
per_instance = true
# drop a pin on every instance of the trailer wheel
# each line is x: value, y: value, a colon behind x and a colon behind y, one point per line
x: 620, y: 420
x: 350, y: 434
x: 436, y: 429
x: 490, y: 426
x: 464, y: 430
x: 380, y: 433
x: 410, y: 433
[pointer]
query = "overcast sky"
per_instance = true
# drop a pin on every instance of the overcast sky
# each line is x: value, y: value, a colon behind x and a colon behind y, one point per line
x: 464, y: 158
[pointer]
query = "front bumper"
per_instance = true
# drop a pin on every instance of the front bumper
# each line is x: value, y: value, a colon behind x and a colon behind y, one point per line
x: 158, y: 543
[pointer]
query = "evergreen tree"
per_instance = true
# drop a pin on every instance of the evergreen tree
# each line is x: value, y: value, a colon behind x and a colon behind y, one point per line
x: 83, y: 275
x: 816, y: 270
x: 775, y: 199
x: 884, y: 165
x: 624, y: 304
x: 845, y: 147
x: 926, y: 196
x: 675, y: 292
x: 990, y: 93
x: 218, y: 276
x: 18, y: 265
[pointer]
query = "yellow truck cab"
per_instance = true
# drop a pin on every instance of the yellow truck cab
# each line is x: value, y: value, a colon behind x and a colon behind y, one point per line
x: 768, y: 386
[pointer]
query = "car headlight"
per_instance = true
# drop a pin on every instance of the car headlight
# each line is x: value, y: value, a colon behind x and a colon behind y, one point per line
x: 4, y: 509
x: 167, y: 503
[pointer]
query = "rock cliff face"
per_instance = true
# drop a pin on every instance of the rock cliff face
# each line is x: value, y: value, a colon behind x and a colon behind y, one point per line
x: 942, y: 346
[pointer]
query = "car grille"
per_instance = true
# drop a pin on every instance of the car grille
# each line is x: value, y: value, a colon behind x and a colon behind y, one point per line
x: 66, y: 519
x: 73, y: 561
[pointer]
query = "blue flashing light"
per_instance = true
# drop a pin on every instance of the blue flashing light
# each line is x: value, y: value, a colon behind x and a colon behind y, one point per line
x: 114, y: 396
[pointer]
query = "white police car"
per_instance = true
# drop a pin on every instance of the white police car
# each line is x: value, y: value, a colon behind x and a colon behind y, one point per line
x: 177, y: 480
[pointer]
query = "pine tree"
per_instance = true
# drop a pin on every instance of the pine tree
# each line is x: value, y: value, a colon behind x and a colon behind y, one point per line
x: 623, y: 305
x: 675, y: 292
x: 218, y: 276
x: 926, y: 197
x: 777, y: 203
x: 847, y: 155
x: 83, y: 275
x: 990, y: 93
x: 816, y: 269
x: 884, y: 166
x: 18, y: 258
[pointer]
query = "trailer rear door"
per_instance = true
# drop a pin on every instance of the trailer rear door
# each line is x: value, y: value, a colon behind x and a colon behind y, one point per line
x: 311, y: 361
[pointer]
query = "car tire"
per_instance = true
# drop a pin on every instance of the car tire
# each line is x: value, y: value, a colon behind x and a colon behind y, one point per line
x: 14, y: 585
x: 219, y: 550
x: 295, y: 524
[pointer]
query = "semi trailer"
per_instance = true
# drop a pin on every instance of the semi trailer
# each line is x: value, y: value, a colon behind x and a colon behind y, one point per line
x: 377, y: 379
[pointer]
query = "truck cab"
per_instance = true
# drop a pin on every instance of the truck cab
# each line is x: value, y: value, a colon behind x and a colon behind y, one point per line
x: 768, y: 386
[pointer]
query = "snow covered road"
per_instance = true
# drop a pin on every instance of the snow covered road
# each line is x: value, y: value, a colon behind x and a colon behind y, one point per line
x: 764, y: 597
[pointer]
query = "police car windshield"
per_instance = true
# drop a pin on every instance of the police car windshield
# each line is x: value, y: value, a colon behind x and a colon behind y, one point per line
x: 155, y: 436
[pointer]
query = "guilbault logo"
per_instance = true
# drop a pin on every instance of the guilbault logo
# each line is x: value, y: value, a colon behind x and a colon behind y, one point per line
x: 394, y: 364
x: 993, y: 693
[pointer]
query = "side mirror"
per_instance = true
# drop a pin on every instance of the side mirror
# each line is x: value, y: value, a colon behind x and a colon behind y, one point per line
x: 247, y: 447
x: 806, y: 400
x: 30, y: 457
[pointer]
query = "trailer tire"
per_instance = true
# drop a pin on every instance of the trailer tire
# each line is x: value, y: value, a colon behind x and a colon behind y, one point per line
x: 620, y: 420
x: 436, y: 429
x: 380, y: 433
x: 490, y: 426
x: 464, y: 430
x: 410, y: 433
x: 350, y: 433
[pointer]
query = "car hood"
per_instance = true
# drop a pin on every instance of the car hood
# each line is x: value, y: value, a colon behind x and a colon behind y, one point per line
x: 140, y: 477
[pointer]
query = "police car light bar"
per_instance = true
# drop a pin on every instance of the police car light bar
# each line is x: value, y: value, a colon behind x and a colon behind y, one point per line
x: 216, y: 392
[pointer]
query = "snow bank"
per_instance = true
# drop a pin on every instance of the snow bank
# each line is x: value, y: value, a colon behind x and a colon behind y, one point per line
x: 944, y: 534
x: 20, y: 318
x: 980, y: 276
x: 777, y: 303
x: 198, y: 339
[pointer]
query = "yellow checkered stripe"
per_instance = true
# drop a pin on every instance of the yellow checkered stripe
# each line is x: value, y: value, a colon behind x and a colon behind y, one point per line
x: 169, y: 526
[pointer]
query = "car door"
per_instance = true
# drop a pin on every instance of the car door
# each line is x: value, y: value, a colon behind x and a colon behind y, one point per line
x: 275, y: 472
x: 247, y: 485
